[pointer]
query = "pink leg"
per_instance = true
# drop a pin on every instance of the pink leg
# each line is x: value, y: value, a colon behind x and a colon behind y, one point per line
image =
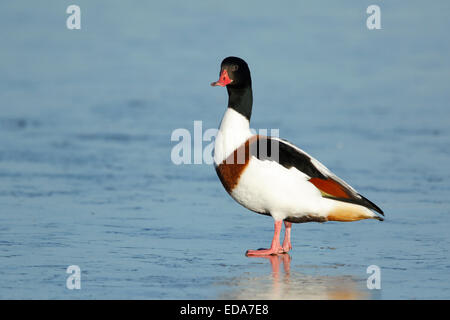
x: 287, y: 237
x: 275, y: 247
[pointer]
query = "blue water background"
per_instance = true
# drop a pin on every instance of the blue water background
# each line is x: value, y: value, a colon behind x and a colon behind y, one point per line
x: 86, y: 176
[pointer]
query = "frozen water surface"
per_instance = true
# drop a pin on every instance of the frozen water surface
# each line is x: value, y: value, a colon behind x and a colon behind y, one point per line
x: 86, y: 176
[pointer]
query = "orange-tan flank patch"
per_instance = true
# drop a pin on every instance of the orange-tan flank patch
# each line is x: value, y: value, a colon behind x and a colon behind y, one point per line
x: 231, y: 169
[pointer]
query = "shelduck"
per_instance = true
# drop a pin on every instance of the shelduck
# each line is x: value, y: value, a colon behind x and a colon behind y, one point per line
x: 271, y: 176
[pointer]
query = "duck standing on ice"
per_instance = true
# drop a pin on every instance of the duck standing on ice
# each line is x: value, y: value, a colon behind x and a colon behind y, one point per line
x: 273, y: 177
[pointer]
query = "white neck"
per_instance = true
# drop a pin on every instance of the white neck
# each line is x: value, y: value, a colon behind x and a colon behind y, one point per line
x: 234, y: 131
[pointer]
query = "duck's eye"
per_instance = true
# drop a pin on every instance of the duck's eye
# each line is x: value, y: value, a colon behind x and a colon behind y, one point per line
x: 234, y: 67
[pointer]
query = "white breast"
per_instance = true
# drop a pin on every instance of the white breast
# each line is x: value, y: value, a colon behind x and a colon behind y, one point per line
x: 234, y: 131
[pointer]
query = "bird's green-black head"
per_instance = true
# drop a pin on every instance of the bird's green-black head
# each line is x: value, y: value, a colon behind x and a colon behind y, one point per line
x: 234, y: 73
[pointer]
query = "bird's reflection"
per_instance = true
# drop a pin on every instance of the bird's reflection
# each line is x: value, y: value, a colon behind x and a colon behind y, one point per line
x: 284, y: 284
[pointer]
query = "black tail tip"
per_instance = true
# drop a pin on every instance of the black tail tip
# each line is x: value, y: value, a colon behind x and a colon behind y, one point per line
x: 372, y: 205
